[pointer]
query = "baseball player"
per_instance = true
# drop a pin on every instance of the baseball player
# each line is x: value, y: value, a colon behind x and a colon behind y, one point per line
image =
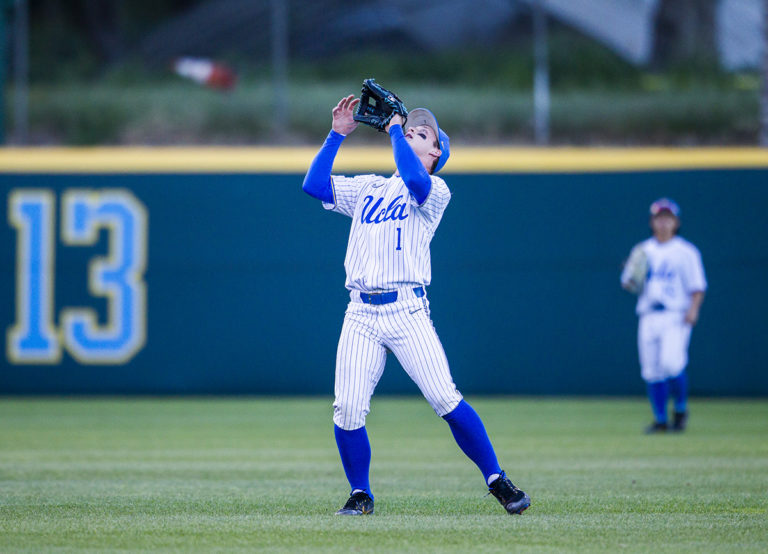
x: 667, y: 307
x: 388, y: 269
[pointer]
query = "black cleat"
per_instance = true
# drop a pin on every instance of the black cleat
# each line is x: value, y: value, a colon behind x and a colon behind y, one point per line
x: 359, y: 504
x: 681, y: 419
x: 656, y: 427
x: 513, y: 499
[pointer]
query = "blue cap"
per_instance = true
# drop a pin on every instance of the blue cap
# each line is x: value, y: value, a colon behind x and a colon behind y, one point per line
x: 422, y: 116
x: 445, y: 147
x: 665, y: 205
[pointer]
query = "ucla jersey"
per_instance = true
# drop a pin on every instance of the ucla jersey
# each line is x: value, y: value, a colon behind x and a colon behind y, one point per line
x: 675, y: 272
x: 389, y: 240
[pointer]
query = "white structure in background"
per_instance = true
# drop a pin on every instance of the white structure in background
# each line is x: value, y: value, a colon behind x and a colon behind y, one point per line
x: 739, y: 25
x: 625, y: 26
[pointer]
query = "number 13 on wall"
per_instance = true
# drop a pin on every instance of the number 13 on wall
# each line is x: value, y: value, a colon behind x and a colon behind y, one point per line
x: 118, y: 277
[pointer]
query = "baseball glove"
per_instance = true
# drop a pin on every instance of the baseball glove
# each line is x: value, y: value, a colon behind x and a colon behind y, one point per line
x: 636, y: 270
x: 378, y: 105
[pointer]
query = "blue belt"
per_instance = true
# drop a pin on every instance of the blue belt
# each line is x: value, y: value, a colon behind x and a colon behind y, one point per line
x: 658, y: 307
x: 379, y: 298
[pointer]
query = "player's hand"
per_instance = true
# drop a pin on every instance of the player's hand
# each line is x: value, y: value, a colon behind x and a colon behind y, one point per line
x: 397, y: 119
x: 692, y: 316
x: 343, y: 122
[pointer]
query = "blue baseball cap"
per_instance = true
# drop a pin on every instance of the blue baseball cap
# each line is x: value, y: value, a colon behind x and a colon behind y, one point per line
x: 422, y: 116
x: 665, y: 205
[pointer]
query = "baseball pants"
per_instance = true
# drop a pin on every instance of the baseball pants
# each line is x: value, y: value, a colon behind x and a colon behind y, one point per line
x: 662, y: 341
x: 403, y: 327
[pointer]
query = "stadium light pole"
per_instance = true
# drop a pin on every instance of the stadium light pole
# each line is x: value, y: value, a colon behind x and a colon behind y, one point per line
x: 541, y: 100
x: 21, y: 72
x: 280, y: 66
x: 4, y: 5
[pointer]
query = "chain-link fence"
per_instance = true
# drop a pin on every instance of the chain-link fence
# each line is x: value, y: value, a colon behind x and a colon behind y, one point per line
x: 520, y: 71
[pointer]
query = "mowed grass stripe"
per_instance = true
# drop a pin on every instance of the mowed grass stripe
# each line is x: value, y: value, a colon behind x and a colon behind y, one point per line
x: 262, y: 474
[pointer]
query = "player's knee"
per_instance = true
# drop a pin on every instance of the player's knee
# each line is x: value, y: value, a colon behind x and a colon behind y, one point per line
x: 348, y: 417
x: 444, y: 403
x: 672, y: 365
x: 652, y: 374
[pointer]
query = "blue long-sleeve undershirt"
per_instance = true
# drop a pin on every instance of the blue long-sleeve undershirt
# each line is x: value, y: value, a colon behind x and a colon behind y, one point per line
x: 412, y: 171
x: 317, y: 182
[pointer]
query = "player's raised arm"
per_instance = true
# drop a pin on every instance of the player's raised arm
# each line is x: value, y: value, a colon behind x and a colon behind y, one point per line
x: 411, y: 168
x: 317, y: 182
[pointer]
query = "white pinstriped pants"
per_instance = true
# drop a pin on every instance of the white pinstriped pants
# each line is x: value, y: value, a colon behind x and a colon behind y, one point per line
x: 662, y: 342
x: 405, y: 328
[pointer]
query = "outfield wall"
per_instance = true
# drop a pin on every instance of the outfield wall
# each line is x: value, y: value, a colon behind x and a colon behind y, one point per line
x: 210, y: 272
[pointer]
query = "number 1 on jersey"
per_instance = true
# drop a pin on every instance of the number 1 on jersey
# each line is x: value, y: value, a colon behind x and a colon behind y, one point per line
x: 398, y: 239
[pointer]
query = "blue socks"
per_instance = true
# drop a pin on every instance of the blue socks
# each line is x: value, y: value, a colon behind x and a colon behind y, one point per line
x: 467, y: 429
x: 678, y: 387
x: 658, y: 393
x: 355, y: 451
x: 470, y: 434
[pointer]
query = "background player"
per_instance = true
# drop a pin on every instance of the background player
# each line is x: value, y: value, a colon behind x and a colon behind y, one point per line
x: 388, y: 267
x: 668, y: 307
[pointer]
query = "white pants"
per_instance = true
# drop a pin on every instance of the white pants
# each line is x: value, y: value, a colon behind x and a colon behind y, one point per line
x: 403, y: 327
x: 662, y: 341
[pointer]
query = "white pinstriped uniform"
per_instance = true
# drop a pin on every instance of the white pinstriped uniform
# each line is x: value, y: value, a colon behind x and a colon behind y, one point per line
x: 675, y: 272
x: 388, y: 250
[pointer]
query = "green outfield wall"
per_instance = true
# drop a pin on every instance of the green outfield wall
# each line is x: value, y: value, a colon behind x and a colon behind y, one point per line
x: 129, y: 274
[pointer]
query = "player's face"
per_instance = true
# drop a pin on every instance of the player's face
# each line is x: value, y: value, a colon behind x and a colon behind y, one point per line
x: 664, y: 225
x: 422, y: 140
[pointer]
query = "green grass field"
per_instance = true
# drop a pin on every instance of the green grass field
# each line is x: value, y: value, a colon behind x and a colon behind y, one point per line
x: 262, y: 474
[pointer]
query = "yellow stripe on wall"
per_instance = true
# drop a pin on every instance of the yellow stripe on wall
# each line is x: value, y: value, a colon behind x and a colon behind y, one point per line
x: 369, y: 159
